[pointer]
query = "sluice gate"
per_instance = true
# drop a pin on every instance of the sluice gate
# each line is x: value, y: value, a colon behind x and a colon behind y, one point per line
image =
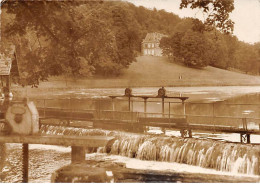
x: 128, y: 118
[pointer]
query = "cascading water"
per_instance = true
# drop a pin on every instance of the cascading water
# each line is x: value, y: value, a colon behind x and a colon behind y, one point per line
x: 206, y: 153
x: 236, y: 158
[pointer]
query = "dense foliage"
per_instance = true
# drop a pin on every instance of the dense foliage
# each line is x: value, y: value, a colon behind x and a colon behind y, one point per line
x: 78, y: 38
x: 86, y: 38
x: 191, y: 45
x: 217, y: 13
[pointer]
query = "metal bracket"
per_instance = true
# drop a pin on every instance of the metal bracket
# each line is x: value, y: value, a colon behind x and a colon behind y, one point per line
x: 186, y: 133
x: 244, y: 138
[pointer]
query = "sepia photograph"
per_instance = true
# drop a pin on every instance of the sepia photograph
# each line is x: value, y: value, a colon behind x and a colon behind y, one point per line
x: 129, y: 91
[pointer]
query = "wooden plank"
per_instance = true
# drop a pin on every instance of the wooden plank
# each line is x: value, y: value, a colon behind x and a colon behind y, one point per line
x: 65, y: 114
x: 196, y: 127
x: 162, y: 120
x: 225, y: 129
x: 86, y: 141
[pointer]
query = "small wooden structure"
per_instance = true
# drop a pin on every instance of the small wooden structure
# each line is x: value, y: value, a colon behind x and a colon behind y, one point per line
x: 77, y: 143
x: 8, y: 66
x: 20, y: 124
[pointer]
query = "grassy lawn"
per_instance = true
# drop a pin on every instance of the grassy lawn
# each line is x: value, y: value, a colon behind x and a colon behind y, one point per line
x: 158, y: 71
x: 150, y: 72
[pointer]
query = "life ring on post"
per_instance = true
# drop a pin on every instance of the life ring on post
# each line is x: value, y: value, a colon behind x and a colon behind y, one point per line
x: 128, y: 92
x: 161, y: 92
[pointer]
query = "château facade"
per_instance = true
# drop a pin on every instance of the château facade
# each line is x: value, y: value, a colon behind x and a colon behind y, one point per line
x: 150, y: 44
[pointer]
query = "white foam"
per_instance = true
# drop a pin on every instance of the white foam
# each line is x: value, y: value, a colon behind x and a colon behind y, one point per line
x: 163, y: 166
x: 50, y: 147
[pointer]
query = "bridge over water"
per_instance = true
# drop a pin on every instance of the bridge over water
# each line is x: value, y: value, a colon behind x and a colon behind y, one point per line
x: 211, y: 119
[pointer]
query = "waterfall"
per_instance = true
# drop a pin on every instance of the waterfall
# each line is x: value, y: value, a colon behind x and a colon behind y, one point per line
x: 221, y: 156
x: 206, y: 153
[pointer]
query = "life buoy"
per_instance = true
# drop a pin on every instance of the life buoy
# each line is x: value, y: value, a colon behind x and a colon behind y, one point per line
x: 128, y: 92
x: 161, y: 92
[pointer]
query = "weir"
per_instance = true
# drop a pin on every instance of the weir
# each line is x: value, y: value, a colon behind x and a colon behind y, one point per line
x: 217, y: 155
x: 228, y: 157
x: 212, y: 154
x: 136, y: 121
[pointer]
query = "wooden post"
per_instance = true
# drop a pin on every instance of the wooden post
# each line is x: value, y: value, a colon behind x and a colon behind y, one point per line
x: 169, y: 112
x: 8, y: 83
x: 248, y: 138
x: 113, y: 103
x: 2, y: 83
x: 2, y: 155
x: 184, y: 109
x: 99, y: 109
x: 213, y: 115
x: 70, y: 113
x: 244, y: 123
x: 44, y: 108
x: 113, y: 108
x: 129, y: 103
x: 163, y: 106
x: 77, y: 154
x: 25, y: 152
x: 182, y: 133
x: 169, y: 109
x: 190, y: 133
x: 145, y: 106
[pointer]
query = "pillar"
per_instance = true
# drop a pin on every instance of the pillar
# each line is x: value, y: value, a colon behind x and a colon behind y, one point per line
x: 8, y: 83
x: 190, y: 133
x: 248, y: 138
x: 113, y: 104
x: 77, y: 154
x: 25, y: 152
x: 169, y: 112
x: 145, y: 105
x: 162, y: 106
x: 129, y: 103
x: 184, y: 109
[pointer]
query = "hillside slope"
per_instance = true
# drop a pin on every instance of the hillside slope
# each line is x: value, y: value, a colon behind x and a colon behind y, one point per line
x: 159, y: 69
x: 151, y: 71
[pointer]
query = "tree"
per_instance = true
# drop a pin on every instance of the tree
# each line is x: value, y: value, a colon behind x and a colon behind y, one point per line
x: 194, y: 49
x: 67, y: 36
x: 218, y: 50
x: 188, y: 44
x: 218, y: 13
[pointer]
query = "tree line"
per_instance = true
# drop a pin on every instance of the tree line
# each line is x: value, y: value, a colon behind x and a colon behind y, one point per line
x: 90, y: 38
x: 195, y: 47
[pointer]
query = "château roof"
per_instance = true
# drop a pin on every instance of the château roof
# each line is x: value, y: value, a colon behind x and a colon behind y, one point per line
x: 153, y: 37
